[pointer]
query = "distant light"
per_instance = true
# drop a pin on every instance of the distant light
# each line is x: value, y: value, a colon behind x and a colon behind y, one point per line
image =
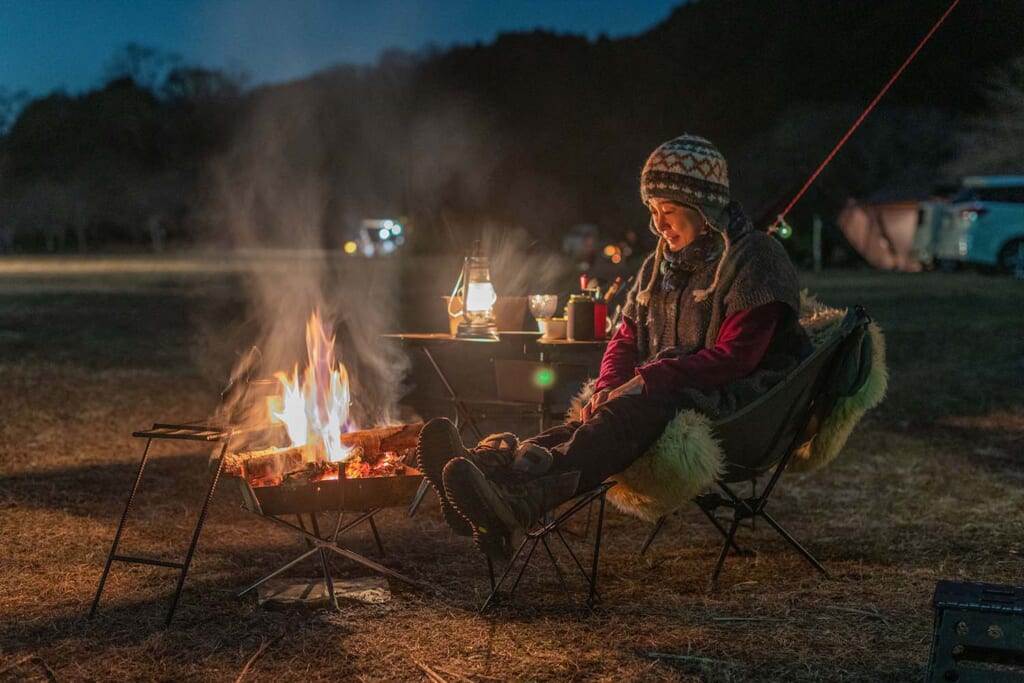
x: 616, y: 259
x: 396, y: 229
x: 384, y: 233
x: 388, y: 223
x: 544, y: 378
x: 350, y: 247
x: 610, y: 250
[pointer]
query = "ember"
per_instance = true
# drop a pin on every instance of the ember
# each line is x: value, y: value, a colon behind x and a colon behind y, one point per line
x: 388, y: 464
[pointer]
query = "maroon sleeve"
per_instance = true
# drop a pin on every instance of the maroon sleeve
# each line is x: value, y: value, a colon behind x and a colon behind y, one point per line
x: 742, y: 342
x: 618, y: 364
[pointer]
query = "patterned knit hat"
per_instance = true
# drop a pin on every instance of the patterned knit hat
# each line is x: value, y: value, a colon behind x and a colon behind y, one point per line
x: 689, y: 170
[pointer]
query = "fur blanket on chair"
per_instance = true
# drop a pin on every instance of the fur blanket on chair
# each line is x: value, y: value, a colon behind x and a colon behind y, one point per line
x: 687, y: 458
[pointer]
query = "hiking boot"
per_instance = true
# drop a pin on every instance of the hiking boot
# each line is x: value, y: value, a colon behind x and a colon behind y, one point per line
x: 501, y: 512
x: 531, y: 459
x: 495, y: 452
x: 439, y: 442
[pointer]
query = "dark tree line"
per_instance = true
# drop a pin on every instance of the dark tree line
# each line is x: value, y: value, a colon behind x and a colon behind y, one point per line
x: 537, y: 130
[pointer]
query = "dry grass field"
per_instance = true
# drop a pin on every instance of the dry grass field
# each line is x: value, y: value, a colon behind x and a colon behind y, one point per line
x: 929, y: 487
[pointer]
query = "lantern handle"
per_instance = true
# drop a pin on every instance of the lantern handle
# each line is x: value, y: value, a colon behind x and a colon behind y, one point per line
x: 455, y: 292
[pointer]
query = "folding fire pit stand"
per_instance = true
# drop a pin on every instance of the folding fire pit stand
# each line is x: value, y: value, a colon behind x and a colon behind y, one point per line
x: 189, y: 432
x: 329, y: 496
x: 552, y: 526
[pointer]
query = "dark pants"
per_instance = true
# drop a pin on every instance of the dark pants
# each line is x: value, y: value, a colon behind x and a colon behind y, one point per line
x: 618, y: 433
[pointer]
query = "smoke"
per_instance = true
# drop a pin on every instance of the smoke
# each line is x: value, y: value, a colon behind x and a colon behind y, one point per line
x: 312, y: 160
x: 520, y: 265
x: 276, y: 205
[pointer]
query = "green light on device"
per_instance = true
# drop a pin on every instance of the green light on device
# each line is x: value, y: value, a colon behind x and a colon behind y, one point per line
x: 544, y: 378
x: 785, y: 230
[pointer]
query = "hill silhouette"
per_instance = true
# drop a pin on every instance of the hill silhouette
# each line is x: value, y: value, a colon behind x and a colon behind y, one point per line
x: 537, y: 130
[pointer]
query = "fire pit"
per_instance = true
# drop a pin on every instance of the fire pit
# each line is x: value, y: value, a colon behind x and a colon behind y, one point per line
x: 333, y: 494
x: 275, y: 482
x: 301, y: 454
x: 279, y: 481
x: 293, y: 453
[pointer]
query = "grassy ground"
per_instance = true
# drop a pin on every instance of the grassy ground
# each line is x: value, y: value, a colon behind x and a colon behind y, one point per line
x: 928, y: 488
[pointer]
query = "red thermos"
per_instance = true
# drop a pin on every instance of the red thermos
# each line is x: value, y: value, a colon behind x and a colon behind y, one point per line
x: 600, y: 318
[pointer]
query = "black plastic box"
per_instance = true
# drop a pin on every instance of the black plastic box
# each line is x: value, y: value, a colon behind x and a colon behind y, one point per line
x: 979, y: 634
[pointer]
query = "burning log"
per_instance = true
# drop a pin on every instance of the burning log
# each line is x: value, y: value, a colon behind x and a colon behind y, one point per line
x: 384, y: 439
x: 367, y: 445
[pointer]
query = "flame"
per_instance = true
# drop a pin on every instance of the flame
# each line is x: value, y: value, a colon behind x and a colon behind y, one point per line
x: 314, y: 409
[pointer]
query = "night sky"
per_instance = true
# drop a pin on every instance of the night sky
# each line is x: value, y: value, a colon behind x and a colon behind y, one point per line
x: 47, y: 45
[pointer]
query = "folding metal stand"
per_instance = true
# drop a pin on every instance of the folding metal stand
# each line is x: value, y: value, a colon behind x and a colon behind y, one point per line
x: 188, y: 432
x: 324, y: 545
x: 552, y: 525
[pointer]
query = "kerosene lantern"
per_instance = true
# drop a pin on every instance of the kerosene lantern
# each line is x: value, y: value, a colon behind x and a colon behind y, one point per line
x: 478, y: 298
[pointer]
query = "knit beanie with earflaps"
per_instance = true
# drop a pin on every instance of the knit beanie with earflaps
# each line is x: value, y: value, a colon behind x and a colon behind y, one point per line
x: 690, y: 170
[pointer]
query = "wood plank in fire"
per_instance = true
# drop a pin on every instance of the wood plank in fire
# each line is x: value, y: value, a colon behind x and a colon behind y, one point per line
x: 372, y: 442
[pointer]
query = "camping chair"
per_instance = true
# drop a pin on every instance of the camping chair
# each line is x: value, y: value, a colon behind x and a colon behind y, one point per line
x: 763, y: 437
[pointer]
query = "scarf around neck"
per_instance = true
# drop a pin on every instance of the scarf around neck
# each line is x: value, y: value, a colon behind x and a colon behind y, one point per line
x: 677, y: 266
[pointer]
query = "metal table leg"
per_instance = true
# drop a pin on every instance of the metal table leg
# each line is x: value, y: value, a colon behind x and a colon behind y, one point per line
x: 462, y: 412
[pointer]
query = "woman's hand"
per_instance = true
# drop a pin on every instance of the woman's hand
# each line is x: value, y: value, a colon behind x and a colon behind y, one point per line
x: 630, y: 388
x: 595, y: 402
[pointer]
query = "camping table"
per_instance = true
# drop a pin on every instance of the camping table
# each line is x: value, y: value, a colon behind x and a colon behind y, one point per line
x: 524, y: 346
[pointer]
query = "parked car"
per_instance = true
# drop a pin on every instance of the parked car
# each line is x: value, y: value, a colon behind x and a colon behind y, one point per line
x: 983, y: 223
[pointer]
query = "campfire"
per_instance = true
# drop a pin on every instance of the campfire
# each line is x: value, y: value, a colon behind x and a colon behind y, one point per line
x: 306, y: 433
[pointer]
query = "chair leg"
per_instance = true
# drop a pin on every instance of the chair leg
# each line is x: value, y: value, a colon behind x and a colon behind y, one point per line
x: 591, y: 579
x: 653, y: 533
x: 540, y: 535
x: 725, y: 551
x: 558, y: 568
x: 793, y: 542
x: 725, y: 534
x: 496, y: 585
x: 597, y: 550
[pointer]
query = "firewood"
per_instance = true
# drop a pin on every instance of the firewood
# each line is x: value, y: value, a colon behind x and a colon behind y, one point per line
x: 383, y: 439
x: 259, y: 464
x: 265, y: 462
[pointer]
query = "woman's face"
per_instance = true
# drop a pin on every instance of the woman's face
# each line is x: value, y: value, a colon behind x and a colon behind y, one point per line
x: 678, y: 224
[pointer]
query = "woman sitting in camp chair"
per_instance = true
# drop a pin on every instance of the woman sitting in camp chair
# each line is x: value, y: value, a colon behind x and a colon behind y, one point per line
x: 710, y: 324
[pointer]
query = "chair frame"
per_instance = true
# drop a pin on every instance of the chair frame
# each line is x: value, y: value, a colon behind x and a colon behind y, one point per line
x: 551, y: 525
x: 808, y: 417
